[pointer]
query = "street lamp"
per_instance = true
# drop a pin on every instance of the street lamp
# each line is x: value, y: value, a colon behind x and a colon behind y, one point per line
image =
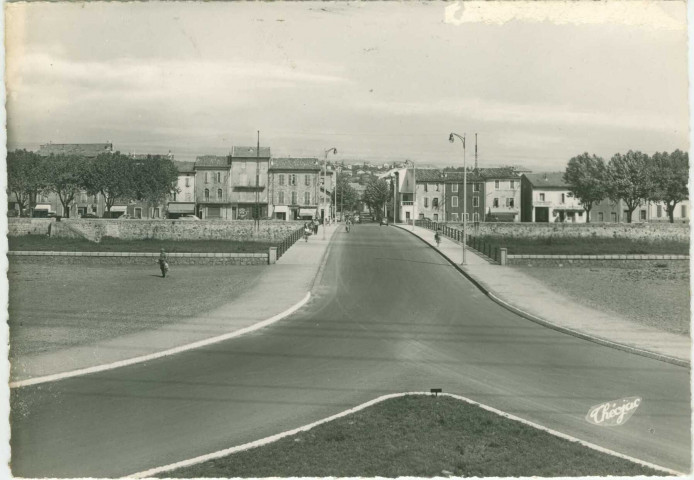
x: 325, y: 161
x: 414, y: 191
x: 451, y: 138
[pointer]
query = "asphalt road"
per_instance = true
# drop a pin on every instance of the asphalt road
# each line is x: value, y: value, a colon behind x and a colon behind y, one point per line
x: 389, y: 315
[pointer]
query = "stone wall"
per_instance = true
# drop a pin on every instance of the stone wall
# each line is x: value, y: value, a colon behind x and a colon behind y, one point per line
x: 597, y: 261
x: 28, y: 226
x: 131, y: 229
x: 637, y: 231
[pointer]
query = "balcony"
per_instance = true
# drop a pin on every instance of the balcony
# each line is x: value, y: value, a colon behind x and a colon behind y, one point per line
x: 406, y: 203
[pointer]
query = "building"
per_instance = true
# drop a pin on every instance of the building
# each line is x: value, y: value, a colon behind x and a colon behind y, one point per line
x: 293, y: 188
x: 430, y: 194
x: 402, y: 181
x: 545, y: 198
x: 249, y: 182
x: 609, y: 211
x: 454, y: 196
x: 182, y: 201
x: 502, y: 194
x: 212, y: 187
x: 657, y: 212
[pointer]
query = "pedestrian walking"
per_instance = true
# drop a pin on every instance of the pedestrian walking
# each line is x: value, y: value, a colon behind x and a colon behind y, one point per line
x: 437, y: 238
x: 307, y: 231
x: 315, y: 226
x: 163, y: 263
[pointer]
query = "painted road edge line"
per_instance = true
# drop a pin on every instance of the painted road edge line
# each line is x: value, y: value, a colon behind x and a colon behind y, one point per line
x: 559, y: 328
x: 273, y: 438
x: 164, y: 353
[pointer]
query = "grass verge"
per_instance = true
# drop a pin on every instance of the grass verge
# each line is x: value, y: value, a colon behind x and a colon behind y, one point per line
x: 418, y: 436
x: 586, y: 246
x: 109, y: 244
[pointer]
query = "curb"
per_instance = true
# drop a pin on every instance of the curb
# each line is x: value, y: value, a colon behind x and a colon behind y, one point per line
x: 546, y: 323
x: 323, y: 260
x: 273, y: 438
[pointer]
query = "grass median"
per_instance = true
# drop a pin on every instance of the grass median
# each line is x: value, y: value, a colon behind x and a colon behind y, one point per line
x: 419, y: 436
x: 108, y: 244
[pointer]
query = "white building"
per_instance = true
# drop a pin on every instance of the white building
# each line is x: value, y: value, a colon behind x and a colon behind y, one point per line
x: 182, y: 202
x: 545, y: 198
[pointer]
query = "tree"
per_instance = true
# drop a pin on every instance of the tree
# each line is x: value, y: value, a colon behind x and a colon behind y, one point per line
x: 113, y: 176
x: 66, y: 178
x: 154, y: 179
x: 347, y: 196
x: 26, y: 177
x: 376, y: 195
x: 586, y: 175
x: 628, y: 179
x: 669, y: 173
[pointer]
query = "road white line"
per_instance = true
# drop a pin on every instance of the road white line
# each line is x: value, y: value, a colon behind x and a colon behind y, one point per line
x: 164, y: 353
x: 273, y: 438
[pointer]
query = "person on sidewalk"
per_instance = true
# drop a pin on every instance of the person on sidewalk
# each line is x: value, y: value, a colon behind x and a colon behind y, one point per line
x: 307, y: 231
x: 163, y: 263
x: 315, y: 226
x: 437, y: 238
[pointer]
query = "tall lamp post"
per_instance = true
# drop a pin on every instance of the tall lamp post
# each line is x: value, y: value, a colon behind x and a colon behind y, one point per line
x: 325, y: 161
x: 451, y: 138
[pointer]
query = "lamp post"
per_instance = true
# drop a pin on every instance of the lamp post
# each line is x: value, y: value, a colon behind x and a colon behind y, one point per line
x: 451, y: 138
x: 325, y: 161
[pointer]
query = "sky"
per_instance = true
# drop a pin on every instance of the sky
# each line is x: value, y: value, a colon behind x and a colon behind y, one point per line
x: 379, y: 81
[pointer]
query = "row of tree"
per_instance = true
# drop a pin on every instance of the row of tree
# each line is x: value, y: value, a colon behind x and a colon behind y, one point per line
x: 634, y: 178
x: 117, y: 177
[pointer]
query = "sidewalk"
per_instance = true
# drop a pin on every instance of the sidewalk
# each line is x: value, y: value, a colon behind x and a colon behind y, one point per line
x: 281, y: 287
x: 534, y: 300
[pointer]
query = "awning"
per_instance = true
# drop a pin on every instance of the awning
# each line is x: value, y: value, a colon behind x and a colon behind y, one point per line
x: 181, y: 207
x: 119, y: 208
x: 307, y: 212
x: 281, y: 209
x: 43, y: 206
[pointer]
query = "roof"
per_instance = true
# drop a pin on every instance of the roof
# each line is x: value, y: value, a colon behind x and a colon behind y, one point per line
x: 145, y: 156
x: 425, y: 175
x: 546, y: 179
x: 295, y: 164
x: 500, y: 173
x: 472, y: 176
x: 81, y: 149
x: 248, y: 152
x: 212, y: 161
x: 184, y: 167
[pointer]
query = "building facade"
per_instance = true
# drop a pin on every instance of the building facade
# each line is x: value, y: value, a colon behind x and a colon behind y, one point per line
x: 293, y: 188
x: 212, y: 186
x: 454, y: 193
x: 182, y: 201
x: 430, y: 194
x: 502, y: 195
x: 545, y: 198
x: 249, y: 182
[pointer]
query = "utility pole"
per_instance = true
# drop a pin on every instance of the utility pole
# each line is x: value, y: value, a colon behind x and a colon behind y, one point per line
x: 257, y: 184
x: 475, y: 152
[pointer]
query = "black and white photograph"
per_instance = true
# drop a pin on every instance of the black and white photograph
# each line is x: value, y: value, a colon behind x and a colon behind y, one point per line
x: 330, y: 239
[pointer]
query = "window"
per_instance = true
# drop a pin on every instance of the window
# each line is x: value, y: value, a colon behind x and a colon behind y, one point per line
x: 454, y: 217
x: 495, y: 204
x: 187, y: 181
x: 642, y: 214
x: 454, y: 188
x: 292, y: 179
x: 496, y: 184
x: 437, y: 187
x: 454, y: 201
x: 307, y: 180
x: 138, y: 212
x: 659, y: 211
x: 206, y: 177
x: 294, y: 202
x: 513, y: 184
x: 542, y: 197
x: 475, y: 201
x: 580, y: 214
x: 436, y: 217
x: 281, y: 198
x: 156, y: 212
x: 601, y: 217
x: 426, y: 202
x: 466, y: 216
x: 684, y: 211
x: 475, y: 187
x: 435, y: 202
x: 219, y: 194
x: 475, y: 217
x: 281, y: 178
x: 207, y: 194
x: 563, y: 198
x: 174, y: 195
x: 510, y: 202
x: 83, y: 197
x: 425, y: 188
x: 219, y: 177
x: 307, y: 197
x: 613, y: 217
